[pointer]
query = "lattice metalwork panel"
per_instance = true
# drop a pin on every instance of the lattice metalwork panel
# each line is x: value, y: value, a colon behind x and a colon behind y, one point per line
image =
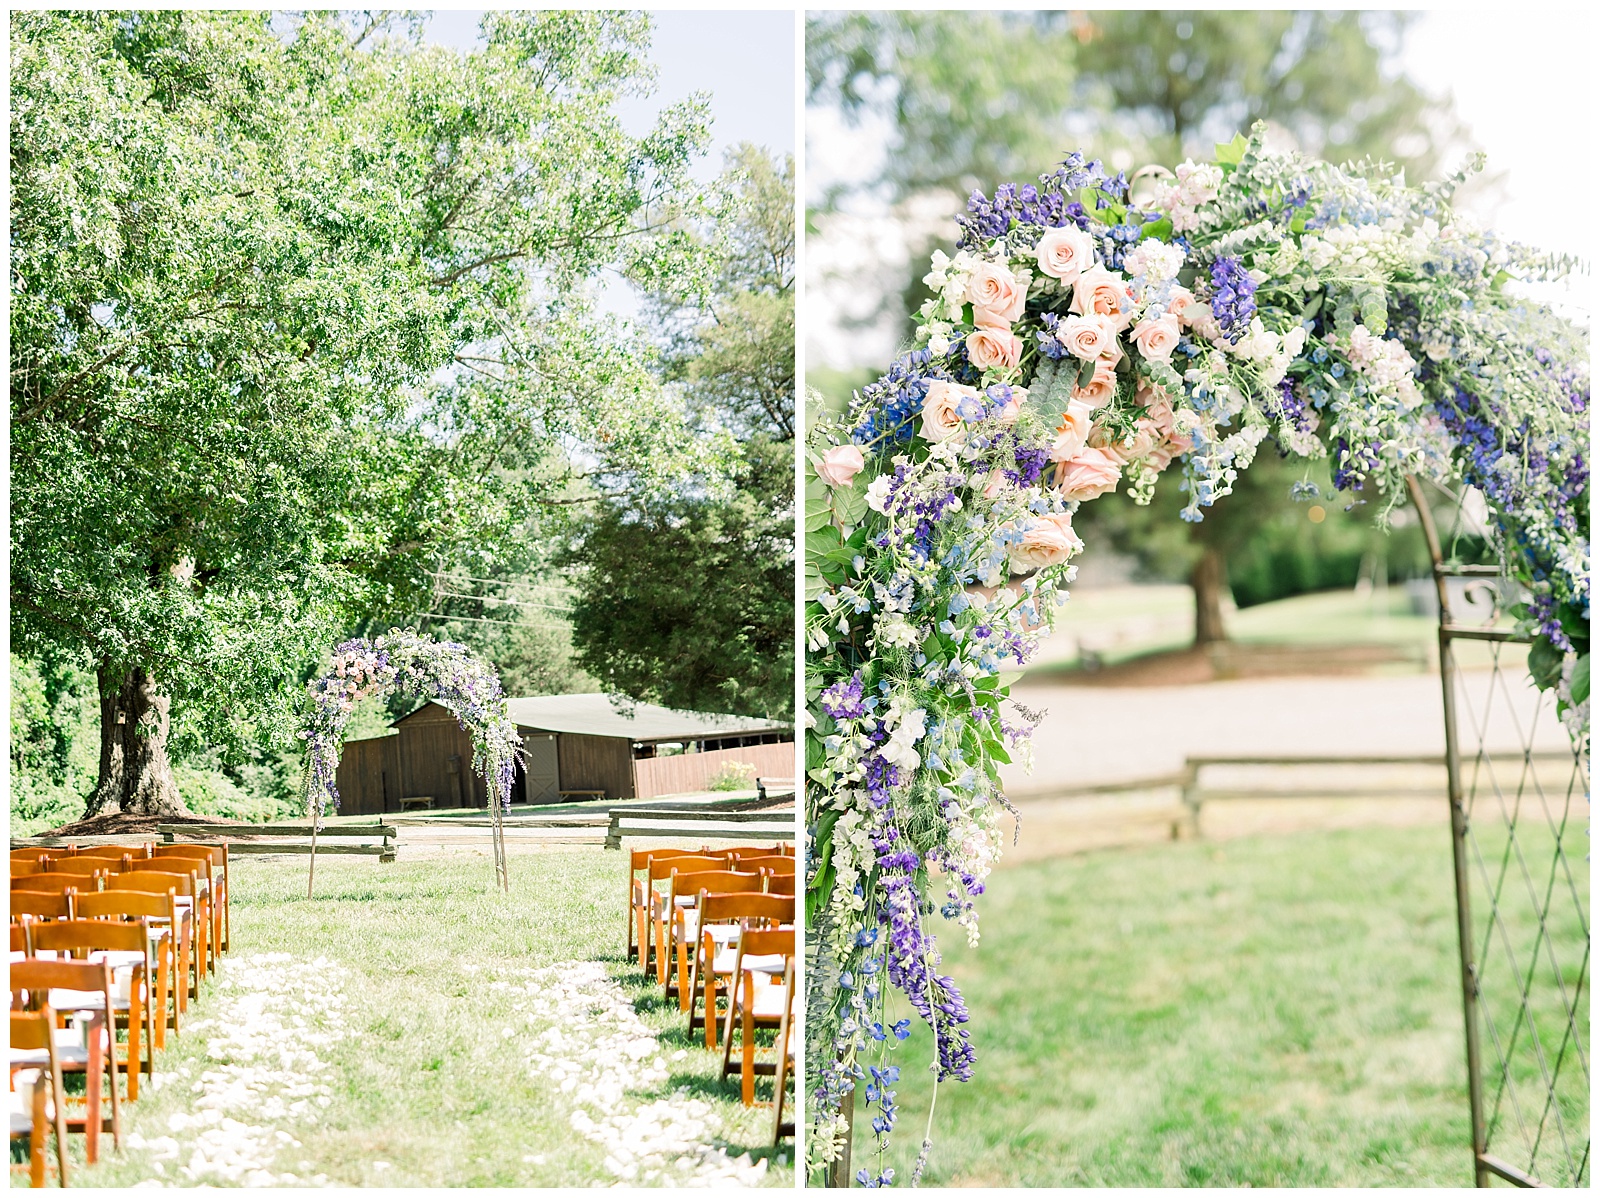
x: 1525, y: 843
x: 1520, y: 819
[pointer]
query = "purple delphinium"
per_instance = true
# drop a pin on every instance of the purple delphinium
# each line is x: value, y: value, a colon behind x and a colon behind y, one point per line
x: 1233, y: 297
x: 843, y: 700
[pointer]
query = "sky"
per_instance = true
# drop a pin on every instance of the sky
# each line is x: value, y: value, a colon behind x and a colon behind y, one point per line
x: 1523, y: 86
x: 746, y: 60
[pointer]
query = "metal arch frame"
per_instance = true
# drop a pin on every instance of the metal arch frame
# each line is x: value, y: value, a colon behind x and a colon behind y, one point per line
x: 1486, y: 1166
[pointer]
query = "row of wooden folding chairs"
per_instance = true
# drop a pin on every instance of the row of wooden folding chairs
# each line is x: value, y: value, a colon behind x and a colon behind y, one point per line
x: 79, y: 859
x: 650, y: 909
x: 207, y: 890
x: 62, y: 967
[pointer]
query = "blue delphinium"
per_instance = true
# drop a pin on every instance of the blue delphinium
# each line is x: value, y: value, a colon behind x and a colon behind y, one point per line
x: 1233, y: 297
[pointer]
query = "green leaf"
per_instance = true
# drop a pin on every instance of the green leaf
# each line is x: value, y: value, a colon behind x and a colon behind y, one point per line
x: 1232, y: 153
x: 1544, y: 663
x: 1086, y: 372
x: 1580, y: 680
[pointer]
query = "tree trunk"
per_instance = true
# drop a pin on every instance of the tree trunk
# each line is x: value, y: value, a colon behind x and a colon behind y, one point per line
x: 135, y: 775
x: 1207, y: 579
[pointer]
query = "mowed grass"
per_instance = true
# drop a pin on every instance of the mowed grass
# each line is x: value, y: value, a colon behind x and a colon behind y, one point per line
x: 1274, y: 1011
x: 427, y: 1083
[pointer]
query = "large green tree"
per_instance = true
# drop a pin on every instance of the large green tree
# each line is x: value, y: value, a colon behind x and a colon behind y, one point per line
x: 295, y: 313
x: 688, y: 598
x: 973, y: 99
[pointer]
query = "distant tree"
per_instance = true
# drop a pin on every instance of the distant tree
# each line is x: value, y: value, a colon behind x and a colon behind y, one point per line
x: 297, y: 312
x: 975, y: 99
x: 687, y: 598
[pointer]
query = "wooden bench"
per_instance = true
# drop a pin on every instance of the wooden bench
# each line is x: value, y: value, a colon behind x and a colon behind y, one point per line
x: 417, y: 802
x: 378, y: 840
x: 582, y: 795
x: 703, y: 822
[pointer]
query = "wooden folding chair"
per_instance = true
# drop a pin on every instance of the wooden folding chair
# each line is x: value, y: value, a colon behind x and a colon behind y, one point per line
x: 780, y: 1126
x: 684, y: 893
x: 121, y: 946
x: 188, y: 930
x: 83, y: 867
x: 652, y: 913
x: 639, y: 891
x: 217, y: 854
x: 773, y: 864
x: 52, y: 883
x: 41, y: 904
x: 24, y: 867
x: 42, y: 1102
x: 203, y: 892
x: 115, y: 852
x: 744, y: 852
x: 160, y: 913
x: 778, y: 883
x: 754, y: 1003
x: 83, y: 987
x: 720, y: 919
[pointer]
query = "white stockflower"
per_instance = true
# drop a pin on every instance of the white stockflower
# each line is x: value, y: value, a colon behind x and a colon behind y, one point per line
x: 878, y: 493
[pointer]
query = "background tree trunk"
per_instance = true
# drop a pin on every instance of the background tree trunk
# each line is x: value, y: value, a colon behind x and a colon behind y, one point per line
x: 135, y: 774
x: 1208, y: 580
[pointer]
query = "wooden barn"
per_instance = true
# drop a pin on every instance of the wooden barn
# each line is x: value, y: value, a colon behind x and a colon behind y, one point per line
x: 575, y: 746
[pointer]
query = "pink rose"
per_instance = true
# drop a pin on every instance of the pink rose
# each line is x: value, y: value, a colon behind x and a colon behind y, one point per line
x: 997, y: 483
x: 1089, y: 475
x: 993, y: 290
x: 1073, y: 432
x: 941, y: 414
x: 1047, y: 541
x: 839, y: 465
x: 1065, y: 253
x: 1099, y: 291
x: 1088, y: 337
x: 1124, y: 451
x: 1157, y: 338
x: 988, y: 348
x: 1101, y: 388
x: 1182, y: 297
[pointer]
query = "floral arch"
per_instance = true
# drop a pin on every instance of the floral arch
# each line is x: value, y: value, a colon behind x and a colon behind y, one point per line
x: 445, y: 672
x: 1078, y: 341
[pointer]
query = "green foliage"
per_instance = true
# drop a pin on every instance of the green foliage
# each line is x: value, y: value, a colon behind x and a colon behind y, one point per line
x: 295, y: 317
x: 691, y: 604
x: 687, y: 597
x: 54, y: 745
x: 735, y: 775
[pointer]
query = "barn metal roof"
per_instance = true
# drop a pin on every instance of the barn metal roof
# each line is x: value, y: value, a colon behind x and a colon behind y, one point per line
x: 599, y: 715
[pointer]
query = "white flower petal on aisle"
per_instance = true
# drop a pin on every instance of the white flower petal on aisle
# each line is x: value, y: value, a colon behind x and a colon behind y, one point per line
x: 273, y: 1016
x: 586, y: 1038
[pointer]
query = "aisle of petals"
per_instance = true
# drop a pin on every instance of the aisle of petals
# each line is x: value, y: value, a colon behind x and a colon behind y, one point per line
x: 584, y: 1036
x: 272, y: 1016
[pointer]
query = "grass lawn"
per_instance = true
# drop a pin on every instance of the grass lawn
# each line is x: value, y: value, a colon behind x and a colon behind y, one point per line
x: 444, y: 1049
x: 1275, y: 1011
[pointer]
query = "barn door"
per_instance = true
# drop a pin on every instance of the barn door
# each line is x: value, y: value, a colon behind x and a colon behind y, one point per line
x: 544, y: 782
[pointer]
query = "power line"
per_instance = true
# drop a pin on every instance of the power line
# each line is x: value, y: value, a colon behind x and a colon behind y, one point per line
x: 505, y: 602
x: 503, y: 582
x: 433, y: 615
